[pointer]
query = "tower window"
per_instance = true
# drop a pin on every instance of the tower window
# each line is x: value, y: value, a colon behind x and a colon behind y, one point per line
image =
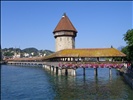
x: 60, y: 39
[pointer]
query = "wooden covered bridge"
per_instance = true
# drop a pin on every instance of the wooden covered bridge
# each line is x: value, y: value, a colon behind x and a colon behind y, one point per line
x: 68, y: 60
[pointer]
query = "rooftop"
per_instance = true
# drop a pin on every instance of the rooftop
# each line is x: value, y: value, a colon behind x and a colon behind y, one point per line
x: 88, y: 52
x: 65, y: 25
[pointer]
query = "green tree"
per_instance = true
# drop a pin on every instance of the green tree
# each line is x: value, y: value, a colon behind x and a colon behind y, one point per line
x: 8, y: 54
x: 128, y: 37
x: 30, y: 50
x: 125, y: 51
x: 128, y: 50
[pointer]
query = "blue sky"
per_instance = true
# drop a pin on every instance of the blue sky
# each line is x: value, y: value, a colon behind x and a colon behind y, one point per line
x: 30, y: 23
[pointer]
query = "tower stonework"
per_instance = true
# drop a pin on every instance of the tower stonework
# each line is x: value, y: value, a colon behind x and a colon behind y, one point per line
x: 64, y: 34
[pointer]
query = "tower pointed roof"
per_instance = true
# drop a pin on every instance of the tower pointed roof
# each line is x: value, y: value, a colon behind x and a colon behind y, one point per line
x: 65, y: 25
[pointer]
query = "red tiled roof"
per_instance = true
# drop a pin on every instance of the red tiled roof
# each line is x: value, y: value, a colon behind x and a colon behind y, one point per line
x: 65, y: 25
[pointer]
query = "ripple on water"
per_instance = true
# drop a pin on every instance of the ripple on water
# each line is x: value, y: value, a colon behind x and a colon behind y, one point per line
x: 31, y: 83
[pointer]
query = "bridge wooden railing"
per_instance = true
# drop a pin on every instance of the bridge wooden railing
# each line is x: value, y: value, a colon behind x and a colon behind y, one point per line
x: 72, y: 64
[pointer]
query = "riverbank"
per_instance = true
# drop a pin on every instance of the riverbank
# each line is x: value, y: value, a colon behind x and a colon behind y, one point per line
x: 128, y: 76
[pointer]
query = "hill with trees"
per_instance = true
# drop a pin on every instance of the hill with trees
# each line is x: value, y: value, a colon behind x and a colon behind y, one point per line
x: 30, y: 52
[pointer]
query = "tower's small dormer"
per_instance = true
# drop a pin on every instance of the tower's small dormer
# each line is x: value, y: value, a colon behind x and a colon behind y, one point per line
x: 65, y: 34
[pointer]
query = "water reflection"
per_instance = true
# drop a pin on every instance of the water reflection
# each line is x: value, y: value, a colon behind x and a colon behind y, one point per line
x: 89, y: 87
x: 32, y: 83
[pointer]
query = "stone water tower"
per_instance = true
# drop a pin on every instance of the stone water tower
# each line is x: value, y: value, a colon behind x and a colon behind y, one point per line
x: 64, y: 34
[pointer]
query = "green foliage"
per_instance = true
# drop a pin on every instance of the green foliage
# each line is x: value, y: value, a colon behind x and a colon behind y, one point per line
x: 30, y: 50
x: 48, y: 52
x: 5, y: 49
x: 11, y: 51
x: 125, y: 51
x: 128, y: 37
x: 8, y: 54
x: 128, y: 50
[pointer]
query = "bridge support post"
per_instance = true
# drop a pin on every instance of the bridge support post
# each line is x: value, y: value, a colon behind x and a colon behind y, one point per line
x: 73, y: 72
x: 54, y: 69
x: 110, y: 72
x: 95, y: 71
x: 84, y: 71
x: 47, y: 67
x: 50, y: 68
x: 59, y: 71
x: 63, y: 71
x: 66, y: 71
x: 44, y: 66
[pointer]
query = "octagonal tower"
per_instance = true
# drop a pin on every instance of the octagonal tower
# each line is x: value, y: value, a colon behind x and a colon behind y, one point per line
x: 64, y: 34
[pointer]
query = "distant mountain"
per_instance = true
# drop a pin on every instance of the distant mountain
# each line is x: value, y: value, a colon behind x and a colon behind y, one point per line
x: 48, y: 52
x: 31, y: 51
x: 11, y: 49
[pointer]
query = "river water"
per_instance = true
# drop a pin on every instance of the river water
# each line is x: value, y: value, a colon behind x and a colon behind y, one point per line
x: 33, y: 83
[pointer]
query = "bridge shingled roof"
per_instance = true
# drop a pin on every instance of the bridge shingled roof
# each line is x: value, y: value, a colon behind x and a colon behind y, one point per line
x: 65, y: 25
x: 89, y: 52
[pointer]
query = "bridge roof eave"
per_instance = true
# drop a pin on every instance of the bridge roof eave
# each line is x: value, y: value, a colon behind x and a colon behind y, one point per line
x: 88, y: 53
x: 83, y: 57
x: 78, y: 53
